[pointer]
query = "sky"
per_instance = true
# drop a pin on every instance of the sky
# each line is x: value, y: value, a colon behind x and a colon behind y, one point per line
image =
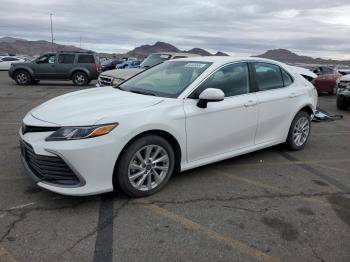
x: 238, y: 27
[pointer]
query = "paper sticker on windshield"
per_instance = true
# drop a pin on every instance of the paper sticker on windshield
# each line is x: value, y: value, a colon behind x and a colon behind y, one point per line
x: 195, y: 65
x: 164, y: 56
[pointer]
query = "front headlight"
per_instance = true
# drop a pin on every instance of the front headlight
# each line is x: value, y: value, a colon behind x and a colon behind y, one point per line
x: 81, y: 132
x: 116, y: 82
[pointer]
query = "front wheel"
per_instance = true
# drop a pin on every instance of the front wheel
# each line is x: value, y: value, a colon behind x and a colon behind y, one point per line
x: 22, y: 77
x: 145, y: 166
x: 299, y: 131
x: 342, y: 104
x: 80, y: 79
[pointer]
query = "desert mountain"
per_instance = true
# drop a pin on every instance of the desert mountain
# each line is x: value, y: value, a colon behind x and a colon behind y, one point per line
x: 20, y: 46
x: 286, y: 56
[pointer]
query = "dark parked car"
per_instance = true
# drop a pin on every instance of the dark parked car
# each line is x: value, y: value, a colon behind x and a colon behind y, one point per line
x: 80, y: 67
x: 111, y: 65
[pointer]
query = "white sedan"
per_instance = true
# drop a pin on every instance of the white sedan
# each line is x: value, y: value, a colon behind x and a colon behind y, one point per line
x: 178, y: 115
x: 6, y: 61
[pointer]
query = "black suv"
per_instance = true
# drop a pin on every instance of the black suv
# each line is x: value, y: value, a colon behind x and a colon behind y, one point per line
x: 80, y: 67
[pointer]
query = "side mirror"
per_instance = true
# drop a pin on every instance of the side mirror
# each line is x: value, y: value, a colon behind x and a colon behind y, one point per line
x: 210, y: 95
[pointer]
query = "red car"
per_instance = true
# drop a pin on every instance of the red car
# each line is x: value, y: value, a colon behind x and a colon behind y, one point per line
x: 326, y: 80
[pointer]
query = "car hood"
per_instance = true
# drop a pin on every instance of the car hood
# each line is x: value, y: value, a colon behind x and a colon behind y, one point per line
x: 89, y: 107
x: 303, y: 71
x: 122, y: 73
x: 345, y: 78
x: 21, y: 63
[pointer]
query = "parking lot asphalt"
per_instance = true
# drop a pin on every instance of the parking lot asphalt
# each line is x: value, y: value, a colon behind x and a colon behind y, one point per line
x: 271, y: 205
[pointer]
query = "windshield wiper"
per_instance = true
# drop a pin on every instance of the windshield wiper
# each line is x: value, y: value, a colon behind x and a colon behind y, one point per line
x: 142, y: 92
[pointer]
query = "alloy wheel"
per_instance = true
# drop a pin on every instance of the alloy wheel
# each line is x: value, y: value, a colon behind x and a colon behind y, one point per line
x: 80, y: 79
x: 22, y: 78
x: 301, y: 131
x: 148, y: 167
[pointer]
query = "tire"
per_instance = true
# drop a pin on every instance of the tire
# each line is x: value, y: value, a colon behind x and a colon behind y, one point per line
x: 342, y: 104
x: 22, y: 78
x: 127, y: 178
x: 299, y: 131
x: 80, y: 78
x: 334, y: 91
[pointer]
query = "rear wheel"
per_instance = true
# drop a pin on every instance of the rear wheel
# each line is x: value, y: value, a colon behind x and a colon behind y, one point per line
x: 145, y: 166
x: 342, y: 104
x: 80, y: 79
x: 22, y: 77
x: 299, y: 131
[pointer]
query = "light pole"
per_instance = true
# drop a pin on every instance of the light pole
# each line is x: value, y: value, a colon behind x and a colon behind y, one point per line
x: 51, y: 32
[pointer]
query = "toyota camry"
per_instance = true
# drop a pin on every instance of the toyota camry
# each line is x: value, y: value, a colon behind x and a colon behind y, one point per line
x: 175, y: 116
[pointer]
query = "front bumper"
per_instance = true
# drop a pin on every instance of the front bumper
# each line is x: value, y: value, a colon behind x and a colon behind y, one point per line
x: 91, y: 160
x: 344, y: 93
x: 104, y: 81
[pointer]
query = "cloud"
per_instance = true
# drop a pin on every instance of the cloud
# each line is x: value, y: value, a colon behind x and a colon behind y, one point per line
x: 318, y: 28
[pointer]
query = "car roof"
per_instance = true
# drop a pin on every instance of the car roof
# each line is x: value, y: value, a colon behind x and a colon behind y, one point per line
x: 229, y: 59
x: 175, y: 54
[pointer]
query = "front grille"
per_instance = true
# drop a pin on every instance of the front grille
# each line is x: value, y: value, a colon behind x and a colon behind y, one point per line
x: 28, y: 129
x: 344, y: 84
x: 105, y: 80
x: 50, y: 169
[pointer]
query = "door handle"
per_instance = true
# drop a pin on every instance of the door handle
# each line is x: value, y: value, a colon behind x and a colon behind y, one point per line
x: 250, y: 103
x: 293, y: 94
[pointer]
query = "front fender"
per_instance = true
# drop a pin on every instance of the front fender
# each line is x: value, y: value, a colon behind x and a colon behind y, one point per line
x: 26, y: 68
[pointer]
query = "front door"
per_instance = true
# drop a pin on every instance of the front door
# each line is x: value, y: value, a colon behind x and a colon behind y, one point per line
x: 45, y: 67
x: 224, y: 126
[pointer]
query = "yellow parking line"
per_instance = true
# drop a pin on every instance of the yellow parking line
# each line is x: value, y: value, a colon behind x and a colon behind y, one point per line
x: 235, y: 244
x: 334, y: 168
x: 302, y: 162
x: 276, y: 189
x: 5, y: 256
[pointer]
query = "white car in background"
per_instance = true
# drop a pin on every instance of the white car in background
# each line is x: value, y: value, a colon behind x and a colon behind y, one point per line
x: 6, y: 61
x: 306, y: 73
x: 178, y: 115
x: 342, y: 69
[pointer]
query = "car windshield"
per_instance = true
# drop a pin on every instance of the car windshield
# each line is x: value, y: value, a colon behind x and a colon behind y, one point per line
x: 166, y: 80
x: 154, y: 59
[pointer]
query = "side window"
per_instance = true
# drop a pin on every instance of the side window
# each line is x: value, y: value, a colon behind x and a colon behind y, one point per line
x: 233, y: 80
x: 287, y: 79
x: 268, y: 76
x: 46, y: 59
x: 66, y: 58
x: 9, y: 59
x: 89, y: 59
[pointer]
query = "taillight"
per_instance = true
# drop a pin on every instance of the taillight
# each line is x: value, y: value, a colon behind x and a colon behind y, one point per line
x: 97, y: 67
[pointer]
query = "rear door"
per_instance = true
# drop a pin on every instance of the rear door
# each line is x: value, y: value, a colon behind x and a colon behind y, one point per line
x: 64, y: 65
x: 277, y: 95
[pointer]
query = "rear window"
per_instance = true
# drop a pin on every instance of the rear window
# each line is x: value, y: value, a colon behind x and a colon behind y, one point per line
x: 66, y: 58
x: 287, y: 79
x: 268, y: 76
x: 86, y: 59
